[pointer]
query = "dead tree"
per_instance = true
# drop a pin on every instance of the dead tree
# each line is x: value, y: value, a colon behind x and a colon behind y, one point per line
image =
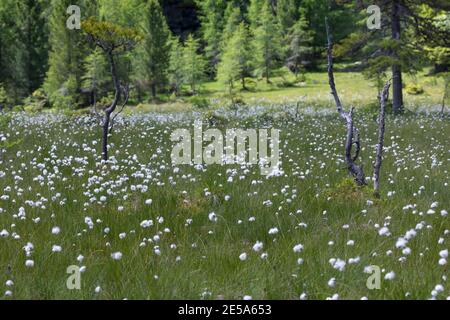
x: 113, y: 40
x: 381, y: 128
x: 353, y: 137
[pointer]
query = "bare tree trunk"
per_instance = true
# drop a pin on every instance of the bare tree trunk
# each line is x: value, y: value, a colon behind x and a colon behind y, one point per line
x: 153, y: 88
x: 381, y: 127
x: 108, y: 111
x: 352, y: 132
x: 105, y: 129
x: 397, y: 82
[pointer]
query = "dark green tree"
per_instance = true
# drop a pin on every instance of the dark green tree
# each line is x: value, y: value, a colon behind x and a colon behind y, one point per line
x: 236, y: 63
x: 268, y: 43
x: 152, y: 56
x: 194, y: 64
x: 176, y: 66
x: 407, y: 26
x: 68, y: 51
x: 212, y: 24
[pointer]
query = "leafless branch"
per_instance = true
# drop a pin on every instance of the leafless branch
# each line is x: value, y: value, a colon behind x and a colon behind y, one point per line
x: 353, y: 138
x: 381, y: 128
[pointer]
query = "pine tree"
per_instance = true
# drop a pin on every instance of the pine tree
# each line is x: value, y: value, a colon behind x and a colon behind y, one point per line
x: 32, y: 45
x: 67, y: 54
x: 152, y: 58
x: 233, y: 18
x: 24, y: 46
x: 194, y: 63
x: 212, y: 24
x: 287, y: 14
x: 300, y: 39
x: 96, y: 78
x: 406, y: 29
x: 176, y: 65
x: 7, y: 44
x: 253, y: 13
x: 267, y: 43
x: 236, y: 61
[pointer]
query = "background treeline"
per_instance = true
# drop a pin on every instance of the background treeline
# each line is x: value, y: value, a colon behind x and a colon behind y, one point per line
x: 43, y: 63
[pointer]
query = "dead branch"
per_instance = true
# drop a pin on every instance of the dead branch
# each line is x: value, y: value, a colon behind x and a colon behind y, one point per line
x: 353, y: 137
x: 381, y: 128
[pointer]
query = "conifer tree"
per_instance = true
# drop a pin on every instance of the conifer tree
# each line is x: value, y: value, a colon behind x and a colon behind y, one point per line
x: 194, y: 63
x: 152, y: 59
x: 68, y: 51
x: 236, y: 61
x: 267, y: 43
x: 406, y: 28
x: 212, y: 24
x: 287, y: 14
x: 300, y: 39
x: 176, y: 66
x: 233, y: 18
x: 253, y: 13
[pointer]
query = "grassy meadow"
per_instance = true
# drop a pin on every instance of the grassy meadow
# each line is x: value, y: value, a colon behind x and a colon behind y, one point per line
x: 310, y: 89
x: 141, y: 228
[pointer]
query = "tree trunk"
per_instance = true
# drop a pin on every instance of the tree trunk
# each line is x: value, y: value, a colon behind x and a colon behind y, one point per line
x: 243, y: 83
x: 397, y: 83
x: 352, y: 139
x: 108, y: 111
x: 139, y: 93
x: 153, y: 88
x: 381, y: 128
x: 105, y: 130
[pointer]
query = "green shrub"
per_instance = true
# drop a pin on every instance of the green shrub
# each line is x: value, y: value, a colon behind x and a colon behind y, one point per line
x: 36, y: 102
x: 214, y: 120
x: 199, y: 102
x: 414, y: 89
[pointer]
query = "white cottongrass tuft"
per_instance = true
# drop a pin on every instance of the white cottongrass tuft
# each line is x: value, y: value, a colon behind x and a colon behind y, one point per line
x: 332, y: 282
x: 243, y: 256
x: 56, y: 248
x: 390, y: 276
x: 273, y: 230
x: 146, y: 224
x: 338, y: 264
x: 384, y: 231
x: 258, y: 246
x: 212, y: 217
x: 116, y: 255
x: 29, y: 263
x: 56, y: 230
x: 298, y: 248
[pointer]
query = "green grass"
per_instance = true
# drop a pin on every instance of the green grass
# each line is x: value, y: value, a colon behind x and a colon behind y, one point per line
x: 284, y: 88
x: 416, y: 158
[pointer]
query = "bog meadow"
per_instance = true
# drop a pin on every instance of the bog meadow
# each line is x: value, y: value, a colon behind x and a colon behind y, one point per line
x: 212, y: 149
